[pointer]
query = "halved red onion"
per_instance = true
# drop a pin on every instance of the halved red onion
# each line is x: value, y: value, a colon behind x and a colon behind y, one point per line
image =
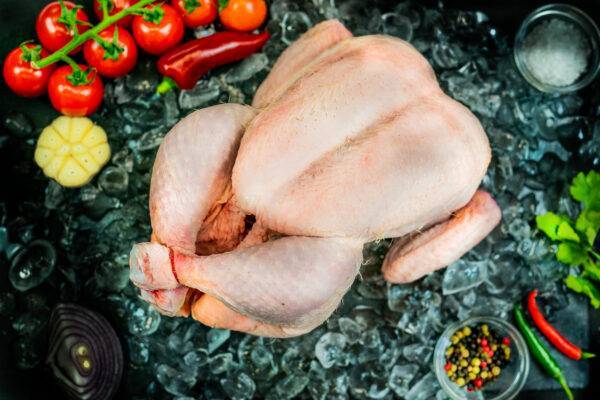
x: 85, y: 354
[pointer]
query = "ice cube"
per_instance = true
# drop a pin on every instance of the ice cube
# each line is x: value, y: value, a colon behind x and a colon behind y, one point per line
x: 18, y: 124
x: 238, y: 386
x: 418, y: 353
x: 143, y: 319
x: 401, y: 377
x: 351, y: 329
x: 175, y: 381
x: 329, y: 349
x: 139, y: 351
x: 216, y: 338
x: 463, y: 275
x: 397, y: 25
x: 111, y: 277
x: 292, y: 360
x: 294, y: 24
x: 424, y: 389
x: 54, y: 196
x: 247, y: 68
x: 289, y: 387
x: 220, y: 363
x: 203, y: 94
x: 32, y: 265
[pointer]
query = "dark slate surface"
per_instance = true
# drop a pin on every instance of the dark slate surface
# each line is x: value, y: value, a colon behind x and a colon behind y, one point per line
x: 573, y: 322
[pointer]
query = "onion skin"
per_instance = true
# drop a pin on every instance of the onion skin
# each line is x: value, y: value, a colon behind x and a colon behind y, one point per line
x: 84, y: 355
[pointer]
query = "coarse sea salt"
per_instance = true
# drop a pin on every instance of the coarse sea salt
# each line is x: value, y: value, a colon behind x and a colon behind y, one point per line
x: 556, y: 52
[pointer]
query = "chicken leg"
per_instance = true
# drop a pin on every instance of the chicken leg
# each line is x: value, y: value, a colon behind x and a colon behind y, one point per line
x: 422, y: 253
x: 293, y: 283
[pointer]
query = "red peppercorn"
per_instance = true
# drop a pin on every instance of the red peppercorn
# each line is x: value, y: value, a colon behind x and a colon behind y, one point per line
x: 506, y: 341
x: 469, y: 389
x: 484, y: 342
x: 483, y: 364
x: 491, y: 353
x: 478, y: 382
x: 448, y: 366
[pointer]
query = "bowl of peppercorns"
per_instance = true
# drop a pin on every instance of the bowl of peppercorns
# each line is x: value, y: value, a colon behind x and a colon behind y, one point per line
x: 481, y: 358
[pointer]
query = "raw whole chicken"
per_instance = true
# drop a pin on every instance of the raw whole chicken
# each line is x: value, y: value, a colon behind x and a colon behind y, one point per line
x: 260, y: 214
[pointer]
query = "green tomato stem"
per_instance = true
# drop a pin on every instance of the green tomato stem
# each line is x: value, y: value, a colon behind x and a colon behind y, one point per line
x: 82, y: 38
x: 166, y: 85
x: 101, y: 41
x: 68, y: 60
x: 104, y: 9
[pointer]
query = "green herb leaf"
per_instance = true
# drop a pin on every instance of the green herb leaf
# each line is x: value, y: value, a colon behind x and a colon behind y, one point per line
x: 586, y: 189
x: 576, y: 247
x: 571, y: 253
x: 557, y: 227
x: 566, y: 232
x: 586, y: 227
x: 549, y: 223
x: 590, y: 269
x: 583, y: 286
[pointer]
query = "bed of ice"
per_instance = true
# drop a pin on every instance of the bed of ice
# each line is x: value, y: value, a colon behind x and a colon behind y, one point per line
x: 73, y: 245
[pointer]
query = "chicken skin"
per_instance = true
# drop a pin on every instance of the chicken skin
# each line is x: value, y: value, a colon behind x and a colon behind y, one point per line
x: 260, y: 214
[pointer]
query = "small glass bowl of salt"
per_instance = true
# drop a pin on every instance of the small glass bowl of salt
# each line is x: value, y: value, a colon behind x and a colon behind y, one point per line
x: 557, y: 49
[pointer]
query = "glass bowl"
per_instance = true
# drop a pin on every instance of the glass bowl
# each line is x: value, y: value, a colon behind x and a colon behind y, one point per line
x: 579, y: 19
x: 513, y: 376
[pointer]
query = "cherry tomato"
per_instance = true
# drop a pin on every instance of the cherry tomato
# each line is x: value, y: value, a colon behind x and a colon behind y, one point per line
x: 75, y: 100
x: 114, y: 7
x: 112, y: 63
x: 162, y: 32
x: 196, y: 12
x: 21, y: 77
x: 54, y: 34
x: 243, y: 15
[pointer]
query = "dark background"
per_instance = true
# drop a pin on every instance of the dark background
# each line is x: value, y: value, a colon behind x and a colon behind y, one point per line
x: 17, y: 19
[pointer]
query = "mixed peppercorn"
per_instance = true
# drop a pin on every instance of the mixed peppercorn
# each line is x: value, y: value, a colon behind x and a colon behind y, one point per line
x: 476, y: 356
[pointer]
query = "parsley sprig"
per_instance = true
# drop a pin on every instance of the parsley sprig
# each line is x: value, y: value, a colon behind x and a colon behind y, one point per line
x: 576, y: 239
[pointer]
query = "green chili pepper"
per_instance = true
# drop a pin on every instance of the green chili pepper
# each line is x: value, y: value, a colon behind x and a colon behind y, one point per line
x: 540, y: 351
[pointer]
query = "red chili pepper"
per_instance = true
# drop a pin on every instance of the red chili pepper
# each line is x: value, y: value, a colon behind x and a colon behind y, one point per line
x: 186, y: 64
x: 554, y: 336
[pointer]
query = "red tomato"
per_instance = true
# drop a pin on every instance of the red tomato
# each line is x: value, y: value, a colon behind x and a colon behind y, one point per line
x: 21, y: 77
x: 116, y: 6
x: 54, y: 34
x: 156, y: 38
x: 107, y: 65
x: 196, y: 12
x: 243, y: 15
x: 71, y: 100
